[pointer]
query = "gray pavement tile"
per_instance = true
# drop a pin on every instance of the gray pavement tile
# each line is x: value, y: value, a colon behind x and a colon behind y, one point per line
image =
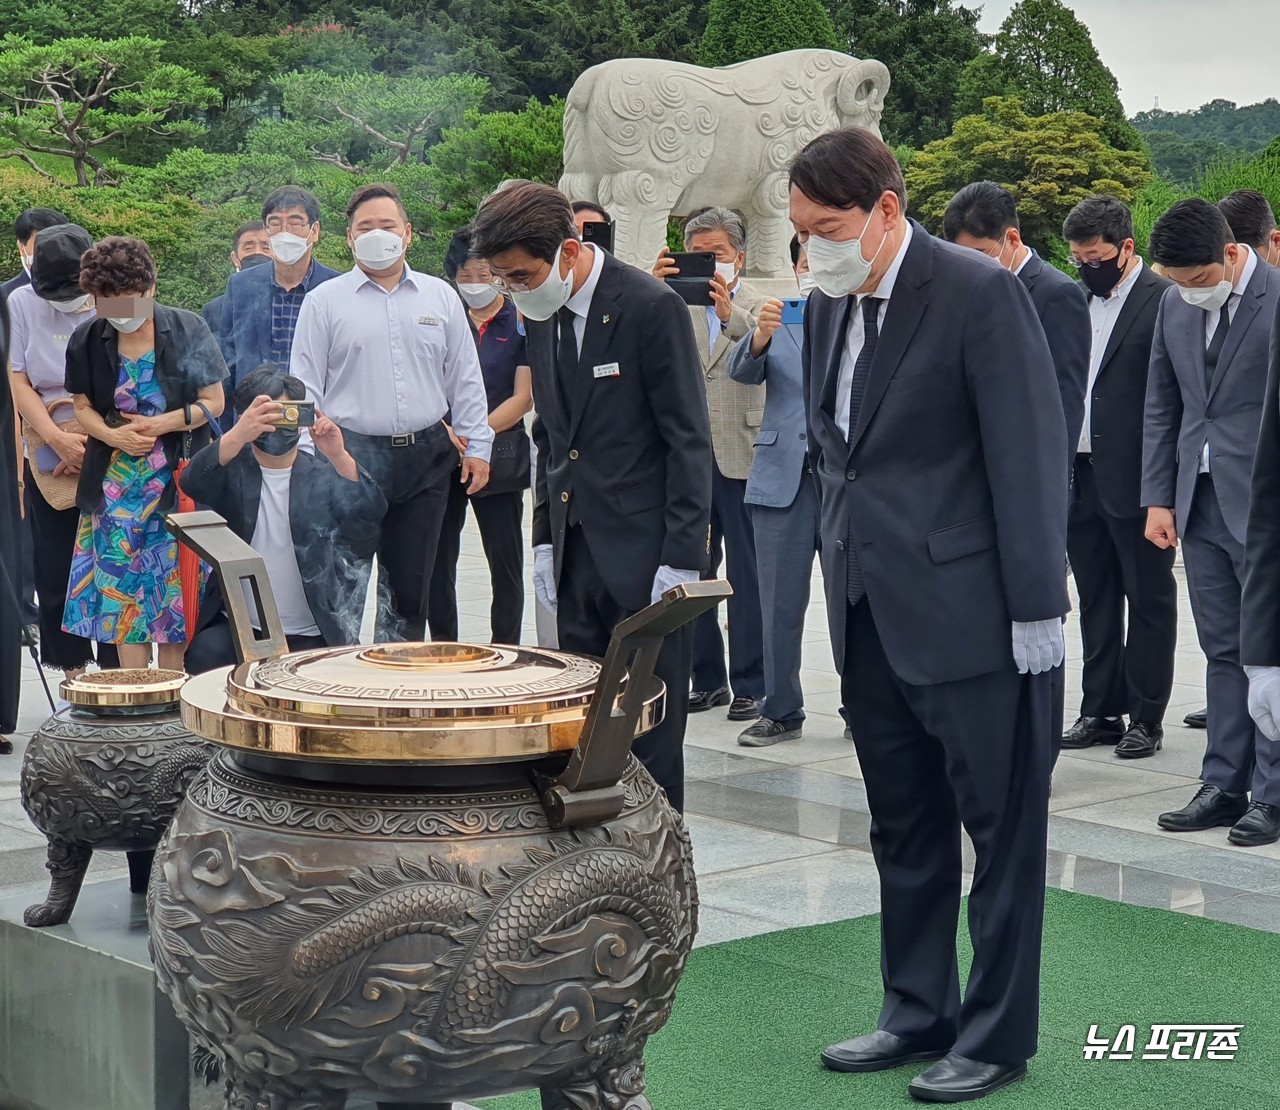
x: 794, y: 817
x: 721, y: 845
x: 1082, y: 782
x: 1135, y: 886
x: 831, y: 887
x: 1257, y: 911
x: 806, y: 784
x: 715, y: 925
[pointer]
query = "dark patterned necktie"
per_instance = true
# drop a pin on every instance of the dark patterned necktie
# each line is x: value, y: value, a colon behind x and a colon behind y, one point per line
x: 1216, y: 344
x: 857, y: 389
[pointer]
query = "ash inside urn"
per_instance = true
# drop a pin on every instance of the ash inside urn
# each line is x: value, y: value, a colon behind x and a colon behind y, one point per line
x: 133, y: 677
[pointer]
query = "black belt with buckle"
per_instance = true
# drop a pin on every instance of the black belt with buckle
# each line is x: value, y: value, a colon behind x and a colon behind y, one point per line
x: 406, y: 440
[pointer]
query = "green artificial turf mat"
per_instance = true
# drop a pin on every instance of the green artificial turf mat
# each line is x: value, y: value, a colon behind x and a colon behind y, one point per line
x: 752, y: 1016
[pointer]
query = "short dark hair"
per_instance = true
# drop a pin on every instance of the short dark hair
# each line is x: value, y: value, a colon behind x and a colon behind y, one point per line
x: 1250, y: 216
x: 982, y: 210
x: 580, y: 206
x: 848, y: 168
x: 795, y: 250
x: 31, y: 220
x: 459, y: 252
x: 246, y: 229
x: 536, y: 218
x: 116, y: 266
x: 375, y: 190
x: 292, y: 196
x: 1192, y: 233
x: 270, y: 380
x: 1101, y: 217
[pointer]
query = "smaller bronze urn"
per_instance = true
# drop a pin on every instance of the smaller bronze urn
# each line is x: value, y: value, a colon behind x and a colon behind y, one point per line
x: 107, y: 772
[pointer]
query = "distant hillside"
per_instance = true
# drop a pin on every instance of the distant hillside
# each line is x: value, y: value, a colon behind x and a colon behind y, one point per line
x: 1248, y: 129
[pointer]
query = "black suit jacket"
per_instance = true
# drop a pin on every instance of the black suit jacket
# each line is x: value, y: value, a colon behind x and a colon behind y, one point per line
x: 335, y: 525
x: 955, y: 481
x: 1118, y: 401
x: 1260, y: 605
x: 627, y: 454
x: 1064, y: 314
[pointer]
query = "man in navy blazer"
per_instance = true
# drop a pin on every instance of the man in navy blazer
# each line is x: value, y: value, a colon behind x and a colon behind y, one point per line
x: 260, y: 307
x: 937, y: 436
x: 1205, y: 392
x: 782, y: 499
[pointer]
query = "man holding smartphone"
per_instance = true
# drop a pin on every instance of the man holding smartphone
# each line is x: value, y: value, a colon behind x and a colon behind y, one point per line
x: 736, y: 410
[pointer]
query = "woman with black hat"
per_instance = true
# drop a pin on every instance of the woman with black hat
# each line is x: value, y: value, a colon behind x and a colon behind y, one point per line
x: 44, y: 315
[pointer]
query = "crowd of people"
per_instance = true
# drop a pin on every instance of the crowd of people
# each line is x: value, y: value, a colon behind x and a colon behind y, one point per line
x: 951, y: 425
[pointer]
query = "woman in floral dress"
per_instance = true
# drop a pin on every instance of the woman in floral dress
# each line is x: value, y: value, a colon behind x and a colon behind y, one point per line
x: 146, y: 379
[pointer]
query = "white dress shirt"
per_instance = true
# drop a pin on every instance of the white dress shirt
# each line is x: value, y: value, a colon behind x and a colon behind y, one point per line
x: 273, y: 540
x: 388, y: 363
x: 1025, y: 259
x: 1103, y: 313
x: 856, y: 334
x: 1211, y: 325
x: 580, y: 303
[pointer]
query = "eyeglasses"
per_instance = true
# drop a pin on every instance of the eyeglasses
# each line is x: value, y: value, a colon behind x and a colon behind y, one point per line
x: 1093, y: 263
x: 293, y: 223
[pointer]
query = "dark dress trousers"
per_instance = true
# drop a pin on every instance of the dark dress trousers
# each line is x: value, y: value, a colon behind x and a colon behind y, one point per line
x: 944, y: 518
x: 335, y: 527
x: 624, y: 477
x: 1187, y: 407
x: 1128, y: 596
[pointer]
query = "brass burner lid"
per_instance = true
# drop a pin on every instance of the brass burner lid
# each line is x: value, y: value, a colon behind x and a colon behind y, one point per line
x: 124, y: 691
x: 443, y: 703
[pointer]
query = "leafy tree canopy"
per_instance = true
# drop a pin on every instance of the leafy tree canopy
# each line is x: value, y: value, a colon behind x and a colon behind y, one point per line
x: 1249, y: 129
x: 738, y: 30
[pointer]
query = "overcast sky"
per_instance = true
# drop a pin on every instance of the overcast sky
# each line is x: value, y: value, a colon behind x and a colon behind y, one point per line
x: 1186, y: 52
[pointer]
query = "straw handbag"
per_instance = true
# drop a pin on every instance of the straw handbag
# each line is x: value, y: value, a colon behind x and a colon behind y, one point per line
x: 58, y: 490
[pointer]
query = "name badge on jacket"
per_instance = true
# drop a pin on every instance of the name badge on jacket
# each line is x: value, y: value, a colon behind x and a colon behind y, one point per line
x: 608, y: 370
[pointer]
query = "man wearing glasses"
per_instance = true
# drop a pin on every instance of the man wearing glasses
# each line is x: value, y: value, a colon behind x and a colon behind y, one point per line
x: 260, y: 309
x: 1127, y: 670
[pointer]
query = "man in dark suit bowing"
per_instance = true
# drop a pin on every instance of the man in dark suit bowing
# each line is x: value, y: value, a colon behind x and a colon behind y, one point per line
x: 1128, y: 597
x: 937, y: 435
x: 623, y: 504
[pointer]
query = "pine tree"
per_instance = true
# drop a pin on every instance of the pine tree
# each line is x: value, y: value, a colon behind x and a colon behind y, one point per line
x: 741, y: 29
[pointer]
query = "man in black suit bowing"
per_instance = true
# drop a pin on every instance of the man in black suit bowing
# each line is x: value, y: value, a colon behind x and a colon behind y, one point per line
x: 936, y: 432
x: 623, y: 502
x: 1128, y: 596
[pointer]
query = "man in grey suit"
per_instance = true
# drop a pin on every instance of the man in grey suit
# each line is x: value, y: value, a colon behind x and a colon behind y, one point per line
x: 736, y: 411
x: 782, y: 498
x: 1205, y: 391
x: 937, y: 435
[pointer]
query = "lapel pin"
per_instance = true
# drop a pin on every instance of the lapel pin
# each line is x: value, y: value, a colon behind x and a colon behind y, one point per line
x: 606, y: 318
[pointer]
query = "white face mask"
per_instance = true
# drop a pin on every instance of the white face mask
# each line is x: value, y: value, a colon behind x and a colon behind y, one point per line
x: 477, y: 296
x: 728, y: 271
x: 1211, y: 300
x: 26, y: 263
x: 806, y: 282
x: 550, y: 297
x: 288, y: 248
x: 378, y: 249
x: 73, y: 305
x: 838, y: 268
x: 127, y: 323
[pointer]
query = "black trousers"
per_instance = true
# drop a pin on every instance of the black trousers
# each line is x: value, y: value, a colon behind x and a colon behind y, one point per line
x: 53, y: 538
x: 978, y: 753
x: 30, y: 611
x: 586, y: 616
x: 214, y: 646
x: 415, y: 481
x: 500, y: 518
x: 1128, y: 608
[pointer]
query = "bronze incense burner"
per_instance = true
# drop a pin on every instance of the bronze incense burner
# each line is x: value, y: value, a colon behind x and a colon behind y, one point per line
x: 424, y: 873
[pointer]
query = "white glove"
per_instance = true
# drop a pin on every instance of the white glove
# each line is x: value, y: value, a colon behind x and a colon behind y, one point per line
x: 1038, y: 646
x: 544, y: 575
x: 668, y: 577
x: 1264, y: 700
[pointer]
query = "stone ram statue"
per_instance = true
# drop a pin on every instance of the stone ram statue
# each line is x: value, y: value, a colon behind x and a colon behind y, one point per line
x: 650, y: 139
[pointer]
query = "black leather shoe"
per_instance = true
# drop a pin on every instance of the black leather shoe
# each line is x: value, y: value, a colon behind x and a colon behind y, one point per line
x: 1209, y: 809
x: 878, y: 1051
x: 1142, y: 740
x: 1260, y: 825
x: 765, y: 733
x: 1088, y: 731
x: 1198, y: 719
x: 702, y: 700
x: 744, y: 709
x: 957, y: 1079
x: 6, y: 748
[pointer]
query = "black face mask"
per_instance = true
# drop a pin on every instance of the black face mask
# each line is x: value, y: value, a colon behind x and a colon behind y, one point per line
x: 1104, y: 277
x: 277, y: 443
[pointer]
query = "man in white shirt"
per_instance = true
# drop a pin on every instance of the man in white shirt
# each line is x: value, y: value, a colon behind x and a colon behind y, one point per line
x: 1128, y: 597
x: 1204, y: 408
x: 314, y: 519
x: 387, y: 353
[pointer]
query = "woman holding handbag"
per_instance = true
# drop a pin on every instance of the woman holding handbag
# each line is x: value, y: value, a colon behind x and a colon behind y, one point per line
x: 146, y: 380
x: 499, y: 507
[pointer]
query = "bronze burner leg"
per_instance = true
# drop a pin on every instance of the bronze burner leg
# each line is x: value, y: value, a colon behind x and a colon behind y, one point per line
x: 619, y: 1086
x: 252, y: 1094
x: 67, y: 863
x: 139, y: 870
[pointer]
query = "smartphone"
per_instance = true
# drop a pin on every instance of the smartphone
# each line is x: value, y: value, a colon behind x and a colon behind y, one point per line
x: 693, y: 282
x: 793, y: 310
x: 297, y: 414
x: 599, y: 233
